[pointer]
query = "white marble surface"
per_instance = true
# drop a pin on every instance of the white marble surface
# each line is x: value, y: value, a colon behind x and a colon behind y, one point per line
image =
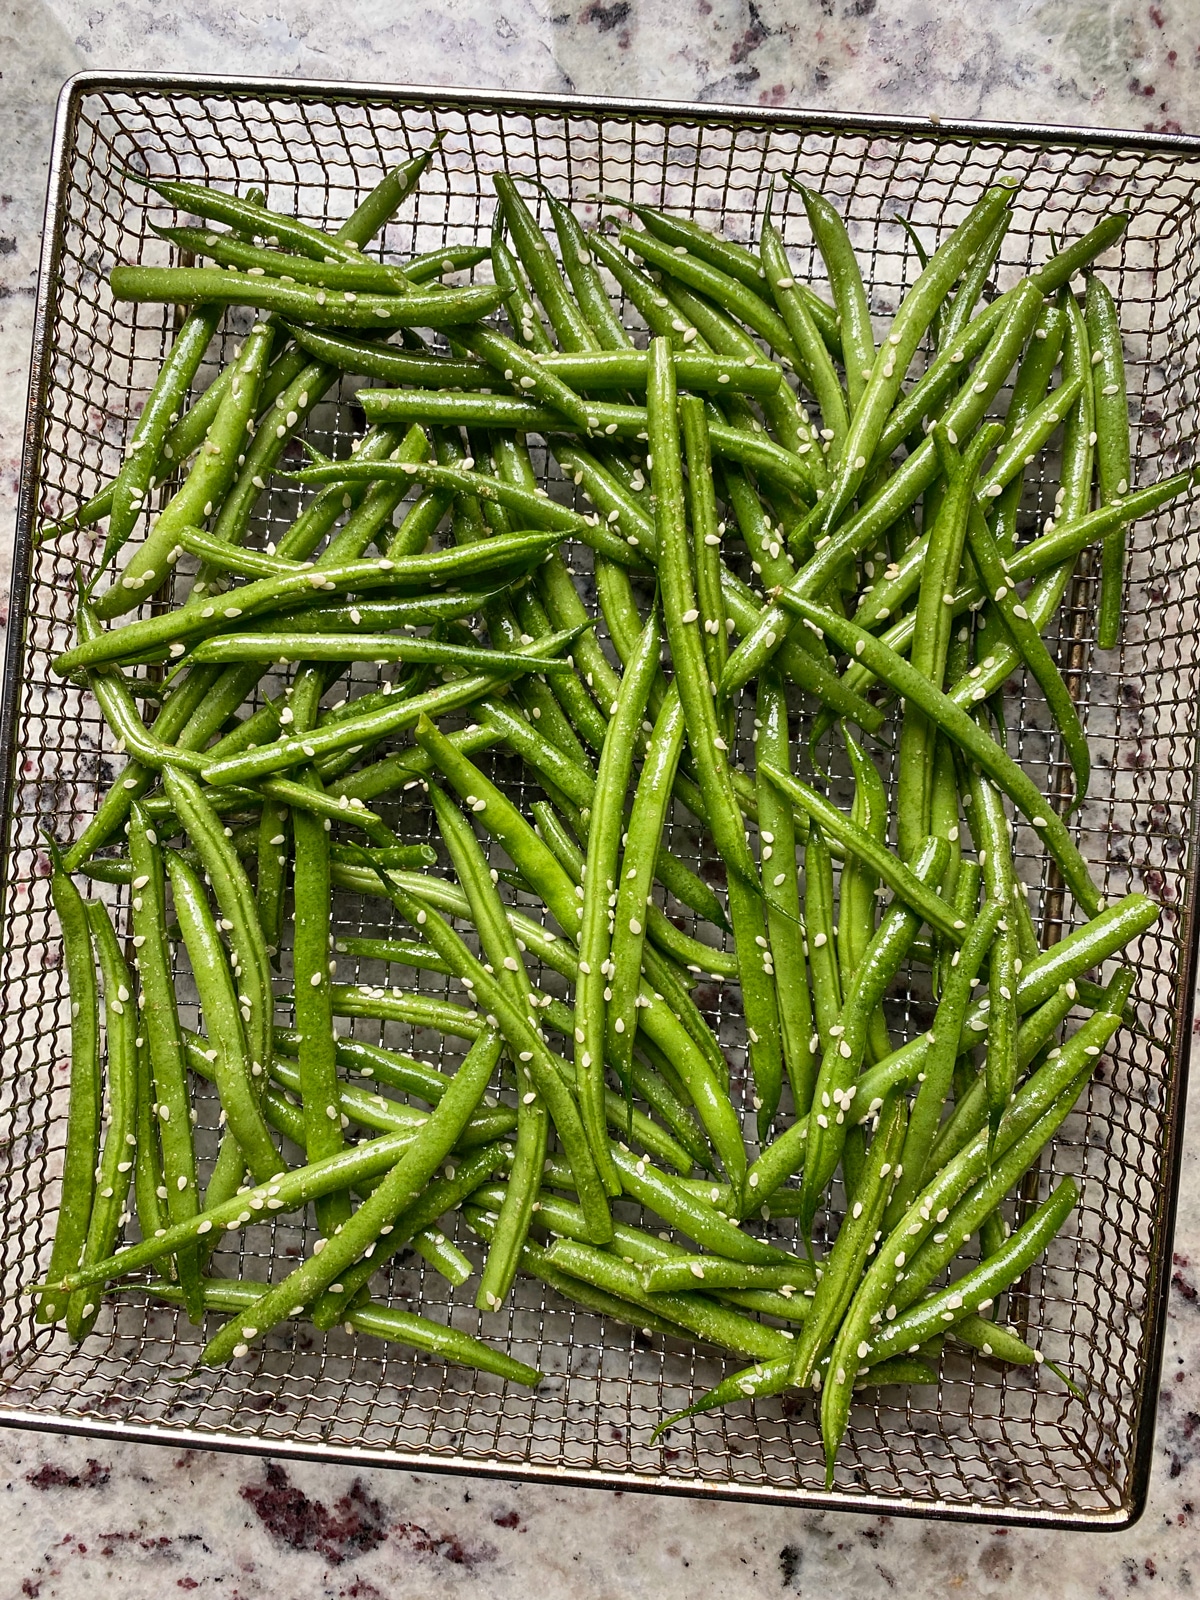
x: 150, y: 1521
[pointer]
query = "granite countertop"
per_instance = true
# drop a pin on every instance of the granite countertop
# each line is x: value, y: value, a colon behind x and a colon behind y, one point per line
x: 150, y: 1520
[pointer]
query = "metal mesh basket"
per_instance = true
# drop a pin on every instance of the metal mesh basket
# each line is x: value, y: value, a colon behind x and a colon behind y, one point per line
x: 982, y: 1443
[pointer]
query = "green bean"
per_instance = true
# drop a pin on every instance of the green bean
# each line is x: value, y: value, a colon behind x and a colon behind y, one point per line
x: 989, y: 563
x: 239, y: 912
x: 1112, y: 446
x: 144, y: 454
x: 112, y: 1177
x: 289, y: 1191
x: 361, y: 226
x: 669, y: 1199
x: 523, y: 315
x: 150, y: 1192
x: 1029, y: 389
x: 785, y: 929
x: 959, y: 727
x: 1074, y: 497
x: 84, y: 1087
x: 301, y: 645
x: 899, y: 878
x: 961, y: 1299
x: 974, y: 280
x: 650, y: 803
x: 414, y: 1227
x: 219, y: 1003
x: 706, y: 540
x: 535, y: 1261
x: 374, y: 360
x: 164, y: 1043
x: 228, y: 250
x: 751, y: 449
x: 565, y: 609
x: 381, y: 1322
x: 419, y: 1010
x: 997, y: 1343
x: 767, y: 1378
x: 976, y: 1289
x: 819, y: 925
x: 577, y: 704
x: 539, y: 866
x: 388, y: 1067
x: 786, y: 419
x: 647, y: 297
x: 383, y: 1114
x: 367, y: 728
x: 790, y: 303
x: 1051, y: 554
x: 203, y: 489
x: 600, y: 881
x: 586, y: 283
x: 849, y: 296
x: 198, y: 619
x: 944, y: 374
x: 312, y: 937
x: 855, y: 1242
x: 515, y: 365
x: 256, y: 221
x: 500, y: 946
x: 402, y: 1185
x: 944, y: 1039
x: 442, y: 308
x: 1032, y: 1118
x: 931, y: 632
x: 274, y: 830
x: 713, y: 1272
x: 859, y: 885
x: 842, y: 1057
x: 259, y: 458
x: 570, y: 327
x: 668, y: 1096
x: 989, y: 828
x: 708, y: 748
x: 382, y: 616
x: 705, y: 1319
x: 684, y: 233
x: 626, y: 369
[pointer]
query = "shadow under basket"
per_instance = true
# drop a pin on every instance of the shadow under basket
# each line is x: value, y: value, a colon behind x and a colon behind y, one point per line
x: 984, y: 1442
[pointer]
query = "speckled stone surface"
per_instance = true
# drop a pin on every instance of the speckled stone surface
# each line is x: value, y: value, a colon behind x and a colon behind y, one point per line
x: 80, y: 1515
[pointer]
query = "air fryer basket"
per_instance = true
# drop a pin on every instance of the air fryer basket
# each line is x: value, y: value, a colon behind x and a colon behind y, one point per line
x: 983, y: 1443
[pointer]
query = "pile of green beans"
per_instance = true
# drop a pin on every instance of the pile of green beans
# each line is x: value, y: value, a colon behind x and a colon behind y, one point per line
x: 780, y: 523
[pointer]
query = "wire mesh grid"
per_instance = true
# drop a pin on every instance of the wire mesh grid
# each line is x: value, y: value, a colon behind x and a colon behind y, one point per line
x: 982, y: 1442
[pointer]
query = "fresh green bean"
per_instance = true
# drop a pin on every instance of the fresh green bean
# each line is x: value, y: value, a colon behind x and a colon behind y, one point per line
x: 855, y: 1242
x: 842, y: 1057
x: 785, y: 929
x: 599, y: 883
x: 567, y: 320
x: 1113, y: 467
x: 849, y: 295
x: 164, y: 1042
x: 84, y: 1088
x: 219, y: 1003
x: 205, y: 486
x: 113, y: 1172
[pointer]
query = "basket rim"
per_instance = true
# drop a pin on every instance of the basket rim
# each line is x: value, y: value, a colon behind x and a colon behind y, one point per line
x: 594, y: 109
x: 609, y: 106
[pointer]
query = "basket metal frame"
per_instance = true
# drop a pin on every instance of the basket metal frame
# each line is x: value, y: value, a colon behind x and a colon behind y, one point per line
x: 1134, y: 1482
